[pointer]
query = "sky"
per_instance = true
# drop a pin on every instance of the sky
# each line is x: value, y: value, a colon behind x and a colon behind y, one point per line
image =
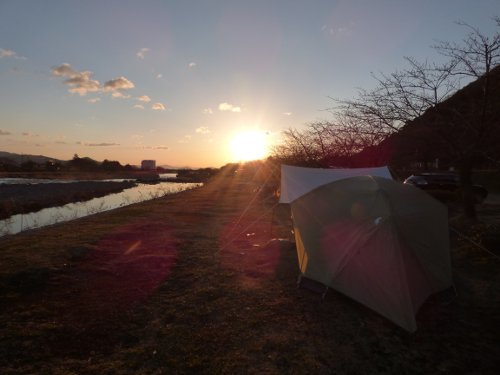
x: 200, y: 83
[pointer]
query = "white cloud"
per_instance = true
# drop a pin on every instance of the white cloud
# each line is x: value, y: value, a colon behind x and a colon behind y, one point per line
x: 158, y: 107
x: 141, y: 53
x: 64, y: 70
x: 139, y: 106
x: 208, y: 111
x: 5, y: 132
x: 159, y: 76
x: 203, y: 130
x: 224, y: 107
x: 144, y: 98
x: 120, y: 83
x: 9, y: 53
x: 191, y: 64
x: 119, y: 95
x: 287, y: 113
x: 79, y: 82
x: 94, y: 100
x: 6, y: 53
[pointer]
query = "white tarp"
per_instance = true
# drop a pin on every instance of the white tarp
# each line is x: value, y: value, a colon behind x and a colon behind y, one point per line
x: 297, y: 181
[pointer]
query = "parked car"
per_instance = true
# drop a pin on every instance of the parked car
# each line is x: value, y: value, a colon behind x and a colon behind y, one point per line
x: 444, y: 186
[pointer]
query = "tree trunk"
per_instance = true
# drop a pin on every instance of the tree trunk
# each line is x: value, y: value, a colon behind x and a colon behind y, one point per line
x: 468, y: 197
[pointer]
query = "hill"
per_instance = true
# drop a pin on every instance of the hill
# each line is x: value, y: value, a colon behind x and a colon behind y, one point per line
x: 463, y: 127
x: 18, y: 159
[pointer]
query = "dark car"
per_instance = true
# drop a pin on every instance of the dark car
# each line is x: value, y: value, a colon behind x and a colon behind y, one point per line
x: 444, y: 186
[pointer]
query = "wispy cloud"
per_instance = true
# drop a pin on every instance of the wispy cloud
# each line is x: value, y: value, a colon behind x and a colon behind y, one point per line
x: 144, y: 98
x: 338, y: 31
x: 161, y: 147
x: 61, y: 140
x: 226, y: 107
x: 142, y: 52
x: 186, y: 139
x: 159, y: 76
x: 203, y: 130
x: 9, y: 53
x: 94, y: 100
x: 119, y: 95
x: 102, y: 144
x: 191, y: 65
x: 139, y: 106
x: 5, y: 132
x: 28, y: 134
x: 287, y: 113
x: 208, y: 111
x: 158, y: 107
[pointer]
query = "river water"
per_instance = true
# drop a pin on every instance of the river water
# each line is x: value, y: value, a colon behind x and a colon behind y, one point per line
x: 71, y: 211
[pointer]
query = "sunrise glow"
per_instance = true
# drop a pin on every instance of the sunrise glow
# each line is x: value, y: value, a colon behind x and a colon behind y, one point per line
x: 249, y: 145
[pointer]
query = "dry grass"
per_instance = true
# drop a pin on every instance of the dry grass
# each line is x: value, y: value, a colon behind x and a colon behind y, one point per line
x: 192, y: 283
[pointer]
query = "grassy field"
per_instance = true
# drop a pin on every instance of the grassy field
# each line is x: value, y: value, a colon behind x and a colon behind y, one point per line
x: 205, y: 282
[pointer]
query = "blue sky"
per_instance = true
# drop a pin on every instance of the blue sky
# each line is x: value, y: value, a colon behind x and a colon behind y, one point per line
x: 176, y: 81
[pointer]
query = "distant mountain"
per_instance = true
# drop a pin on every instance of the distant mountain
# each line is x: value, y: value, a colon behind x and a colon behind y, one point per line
x: 166, y: 166
x: 21, y: 158
x: 18, y: 159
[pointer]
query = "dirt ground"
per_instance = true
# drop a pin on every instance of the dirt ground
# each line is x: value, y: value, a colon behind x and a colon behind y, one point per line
x: 205, y: 282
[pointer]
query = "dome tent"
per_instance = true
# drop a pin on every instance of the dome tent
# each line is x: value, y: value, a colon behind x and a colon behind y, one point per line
x: 381, y: 243
x: 297, y: 181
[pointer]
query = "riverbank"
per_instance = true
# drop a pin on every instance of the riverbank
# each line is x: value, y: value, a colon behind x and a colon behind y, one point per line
x: 25, y: 198
x: 198, y: 282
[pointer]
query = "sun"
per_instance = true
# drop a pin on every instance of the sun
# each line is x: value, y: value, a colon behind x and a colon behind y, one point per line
x: 249, y: 145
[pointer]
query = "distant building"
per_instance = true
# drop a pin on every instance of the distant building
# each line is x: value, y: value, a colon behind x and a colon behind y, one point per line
x: 148, y: 165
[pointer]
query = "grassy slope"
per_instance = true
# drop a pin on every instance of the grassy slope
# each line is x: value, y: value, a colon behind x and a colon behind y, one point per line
x: 190, y: 283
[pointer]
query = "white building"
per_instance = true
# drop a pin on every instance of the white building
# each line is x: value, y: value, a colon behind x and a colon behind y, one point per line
x: 148, y: 165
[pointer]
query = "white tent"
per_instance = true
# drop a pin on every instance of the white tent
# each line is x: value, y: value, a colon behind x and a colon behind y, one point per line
x: 297, y: 181
x: 382, y: 243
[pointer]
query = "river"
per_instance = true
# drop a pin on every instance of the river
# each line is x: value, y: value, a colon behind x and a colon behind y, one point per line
x: 48, y: 216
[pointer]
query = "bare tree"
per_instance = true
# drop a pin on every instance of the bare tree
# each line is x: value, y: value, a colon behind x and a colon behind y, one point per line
x: 470, y: 126
x: 399, y: 97
x: 326, y: 143
x: 462, y: 127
